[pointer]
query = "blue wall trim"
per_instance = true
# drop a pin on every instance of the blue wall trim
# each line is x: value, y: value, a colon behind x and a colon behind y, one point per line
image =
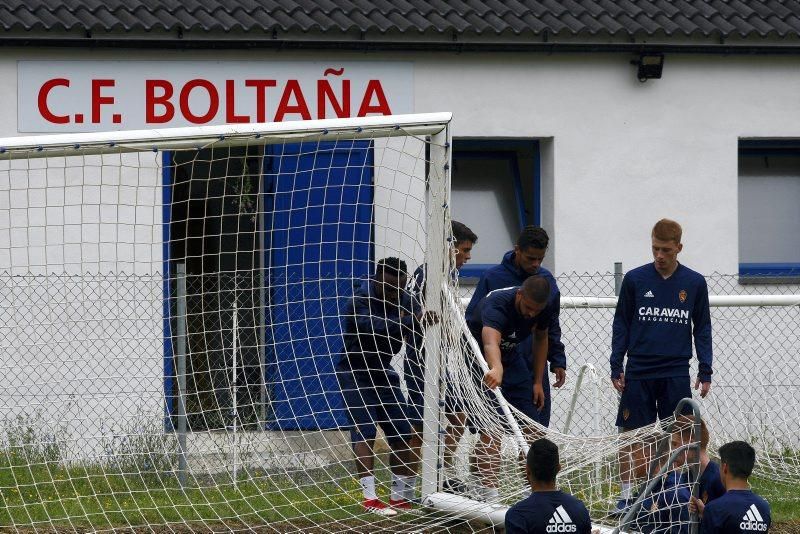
x: 759, y: 148
x: 474, y: 270
x: 769, y: 269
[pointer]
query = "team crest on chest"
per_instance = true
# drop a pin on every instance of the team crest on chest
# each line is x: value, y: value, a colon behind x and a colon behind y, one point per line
x: 682, y: 295
x: 625, y: 414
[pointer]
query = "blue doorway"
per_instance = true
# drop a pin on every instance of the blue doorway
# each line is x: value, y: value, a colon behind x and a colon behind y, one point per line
x: 318, y: 241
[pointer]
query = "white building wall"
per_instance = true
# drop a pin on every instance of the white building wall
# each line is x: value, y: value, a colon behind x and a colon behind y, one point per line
x: 623, y: 153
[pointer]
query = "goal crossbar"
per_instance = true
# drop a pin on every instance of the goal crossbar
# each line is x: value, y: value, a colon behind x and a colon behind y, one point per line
x: 226, y: 135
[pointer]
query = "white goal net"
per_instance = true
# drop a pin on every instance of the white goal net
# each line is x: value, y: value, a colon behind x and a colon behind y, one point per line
x: 175, y: 307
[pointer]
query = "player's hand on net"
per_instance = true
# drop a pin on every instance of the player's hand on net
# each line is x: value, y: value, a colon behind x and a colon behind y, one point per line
x: 493, y: 377
x: 704, y: 387
x: 619, y: 382
x: 561, y: 377
x: 696, y: 506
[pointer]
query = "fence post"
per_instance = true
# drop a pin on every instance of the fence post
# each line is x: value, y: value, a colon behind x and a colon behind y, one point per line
x: 617, y: 277
x: 180, y: 364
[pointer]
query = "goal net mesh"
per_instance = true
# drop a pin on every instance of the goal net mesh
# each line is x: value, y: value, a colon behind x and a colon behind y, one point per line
x: 173, y: 315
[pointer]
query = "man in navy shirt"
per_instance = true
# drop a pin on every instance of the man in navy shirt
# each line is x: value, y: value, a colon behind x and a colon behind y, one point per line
x: 661, y: 307
x: 547, y: 510
x: 739, y: 511
x: 517, y: 265
x: 414, y: 364
x: 379, y: 318
x: 510, y: 325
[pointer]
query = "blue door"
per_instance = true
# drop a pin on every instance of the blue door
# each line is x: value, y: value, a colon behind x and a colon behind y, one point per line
x: 318, y: 236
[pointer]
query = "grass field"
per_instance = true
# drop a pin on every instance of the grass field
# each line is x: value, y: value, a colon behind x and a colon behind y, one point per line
x: 48, y: 496
x: 135, y: 489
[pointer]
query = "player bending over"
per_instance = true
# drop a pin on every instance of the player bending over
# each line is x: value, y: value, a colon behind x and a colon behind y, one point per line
x: 517, y: 265
x: 510, y: 326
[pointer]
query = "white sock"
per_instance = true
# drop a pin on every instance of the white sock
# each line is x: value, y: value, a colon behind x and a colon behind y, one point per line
x: 489, y: 493
x: 410, y: 489
x: 398, y: 487
x: 368, y: 486
x: 627, y: 490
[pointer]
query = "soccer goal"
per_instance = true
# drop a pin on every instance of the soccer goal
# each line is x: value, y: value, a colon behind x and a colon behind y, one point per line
x: 172, y: 305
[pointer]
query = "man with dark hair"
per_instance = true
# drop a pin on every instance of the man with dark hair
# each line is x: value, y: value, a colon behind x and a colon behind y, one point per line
x: 380, y: 316
x: 547, y: 510
x: 662, y: 306
x: 510, y: 325
x: 739, y: 511
x: 517, y: 265
x: 463, y: 239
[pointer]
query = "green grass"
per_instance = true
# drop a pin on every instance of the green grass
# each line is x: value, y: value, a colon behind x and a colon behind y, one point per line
x: 783, y: 498
x: 93, y: 498
x: 48, y: 494
x: 134, y: 486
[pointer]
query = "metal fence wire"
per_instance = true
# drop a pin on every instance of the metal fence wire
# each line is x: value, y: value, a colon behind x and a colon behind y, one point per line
x: 87, y: 359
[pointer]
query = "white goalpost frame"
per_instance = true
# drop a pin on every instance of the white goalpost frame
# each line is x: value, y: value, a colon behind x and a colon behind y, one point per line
x: 438, y: 263
x: 223, y: 135
x: 435, y: 125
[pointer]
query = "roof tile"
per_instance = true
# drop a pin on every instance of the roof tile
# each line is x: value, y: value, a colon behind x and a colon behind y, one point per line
x: 753, y: 19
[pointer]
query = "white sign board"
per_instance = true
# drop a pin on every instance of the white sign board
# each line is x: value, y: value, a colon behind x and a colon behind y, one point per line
x: 82, y: 96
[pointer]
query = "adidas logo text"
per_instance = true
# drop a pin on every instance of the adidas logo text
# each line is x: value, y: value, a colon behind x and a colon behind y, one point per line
x: 560, y: 522
x: 752, y: 520
x: 752, y: 525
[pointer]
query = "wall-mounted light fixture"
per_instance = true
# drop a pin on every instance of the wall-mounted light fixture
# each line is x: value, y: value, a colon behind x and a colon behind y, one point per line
x: 649, y: 66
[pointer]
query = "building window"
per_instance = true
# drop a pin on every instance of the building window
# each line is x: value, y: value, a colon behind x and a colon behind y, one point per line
x: 769, y: 211
x: 496, y: 192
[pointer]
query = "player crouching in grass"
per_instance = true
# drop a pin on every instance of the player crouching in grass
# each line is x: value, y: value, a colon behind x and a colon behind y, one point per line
x: 547, y: 510
x: 666, y: 509
x: 739, y: 511
x: 380, y: 316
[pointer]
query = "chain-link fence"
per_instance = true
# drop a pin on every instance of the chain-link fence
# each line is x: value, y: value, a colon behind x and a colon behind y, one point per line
x: 756, y: 383
x: 89, y: 358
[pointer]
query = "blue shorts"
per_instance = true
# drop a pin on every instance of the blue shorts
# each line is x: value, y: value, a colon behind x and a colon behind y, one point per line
x: 414, y: 375
x: 373, y: 398
x: 520, y: 393
x: 517, y: 385
x: 644, y: 399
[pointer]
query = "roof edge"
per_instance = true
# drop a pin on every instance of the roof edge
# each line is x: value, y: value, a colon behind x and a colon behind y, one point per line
x: 740, y: 48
